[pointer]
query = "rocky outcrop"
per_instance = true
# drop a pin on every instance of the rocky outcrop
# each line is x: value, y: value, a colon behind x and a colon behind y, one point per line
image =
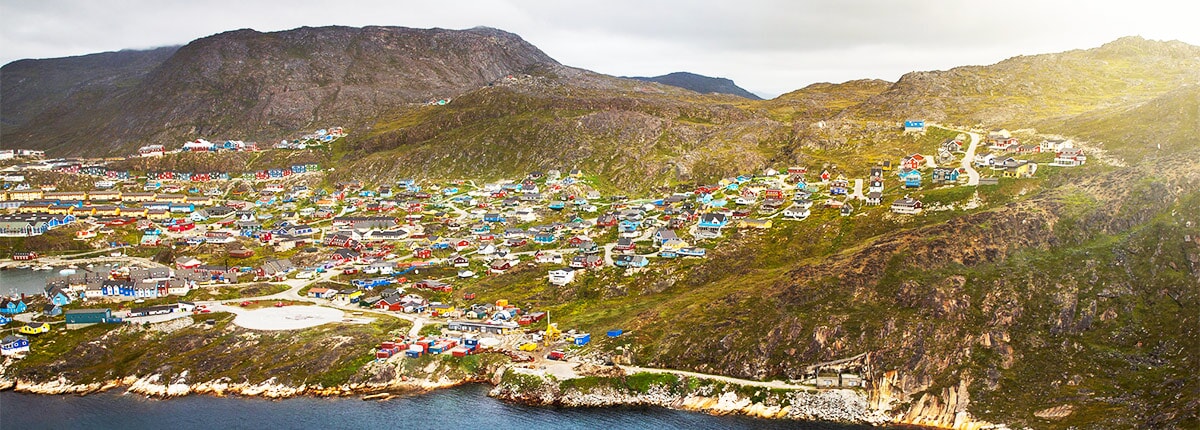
x: 844, y: 406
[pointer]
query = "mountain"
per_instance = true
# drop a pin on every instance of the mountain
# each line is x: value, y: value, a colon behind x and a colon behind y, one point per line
x: 699, y: 83
x: 250, y: 85
x: 29, y: 87
x: 1024, y: 88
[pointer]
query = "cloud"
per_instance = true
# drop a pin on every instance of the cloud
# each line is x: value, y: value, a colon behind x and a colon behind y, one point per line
x: 769, y: 46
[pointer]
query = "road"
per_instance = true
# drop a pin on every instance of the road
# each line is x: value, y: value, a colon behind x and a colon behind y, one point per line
x: 969, y: 157
x: 858, y: 194
x: 764, y: 384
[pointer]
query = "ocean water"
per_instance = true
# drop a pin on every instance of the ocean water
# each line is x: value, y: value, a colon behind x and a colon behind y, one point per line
x: 29, y: 282
x: 465, y: 407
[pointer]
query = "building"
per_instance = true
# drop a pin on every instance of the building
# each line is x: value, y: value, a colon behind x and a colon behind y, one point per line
x: 906, y: 205
x: 14, y: 345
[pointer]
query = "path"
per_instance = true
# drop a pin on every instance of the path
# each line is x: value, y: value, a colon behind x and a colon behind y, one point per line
x: 969, y: 157
x: 747, y: 382
x: 858, y: 194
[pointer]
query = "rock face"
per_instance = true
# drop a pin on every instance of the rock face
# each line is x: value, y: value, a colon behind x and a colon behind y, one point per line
x: 843, y: 406
x: 248, y: 85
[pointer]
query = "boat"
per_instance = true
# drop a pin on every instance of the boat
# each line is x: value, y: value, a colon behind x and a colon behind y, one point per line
x: 66, y: 272
x: 24, y: 266
x: 43, y: 267
x: 73, y: 266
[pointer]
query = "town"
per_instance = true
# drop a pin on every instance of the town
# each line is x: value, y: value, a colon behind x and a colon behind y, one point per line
x: 416, y: 249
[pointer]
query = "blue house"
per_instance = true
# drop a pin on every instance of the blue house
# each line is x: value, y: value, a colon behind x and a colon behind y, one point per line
x: 275, y: 173
x: 117, y: 288
x: 59, y: 297
x: 493, y: 217
x: 912, y: 179
x: 481, y: 229
x: 630, y: 261
x: 914, y: 125
x: 299, y: 168
x: 544, y: 238
x: 13, y: 345
x: 182, y: 207
x: 713, y: 220
x: 12, y: 307
x: 944, y: 175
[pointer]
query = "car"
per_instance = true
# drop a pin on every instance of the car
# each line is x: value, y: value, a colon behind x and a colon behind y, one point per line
x: 279, y: 304
x: 245, y: 304
x: 205, y: 311
x: 465, y: 273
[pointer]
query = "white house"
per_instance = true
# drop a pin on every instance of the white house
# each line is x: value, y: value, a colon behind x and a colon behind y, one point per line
x: 562, y: 277
x: 796, y: 212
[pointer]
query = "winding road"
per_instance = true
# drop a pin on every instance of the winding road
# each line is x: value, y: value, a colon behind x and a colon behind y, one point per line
x: 969, y: 157
x: 747, y: 382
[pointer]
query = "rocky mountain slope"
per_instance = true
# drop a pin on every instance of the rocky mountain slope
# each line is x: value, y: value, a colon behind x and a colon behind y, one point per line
x: 250, y: 85
x: 30, y: 87
x: 699, y: 83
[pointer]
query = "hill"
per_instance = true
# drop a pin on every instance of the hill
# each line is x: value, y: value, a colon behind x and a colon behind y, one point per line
x: 29, y: 87
x: 700, y: 83
x: 1027, y: 88
x: 250, y: 85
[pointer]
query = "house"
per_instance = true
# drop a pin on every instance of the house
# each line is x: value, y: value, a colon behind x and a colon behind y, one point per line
x: 847, y: 209
x: 562, y: 277
x: 51, y: 310
x: 796, y: 212
x: 59, y: 296
x: 89, y: 316
x: 913, y: 162
x: 12, y: 307
x: 1070, y: 157
x: 35, y: 328
x: 713, y: 220
x: 14, y: 345
x: 874, y: 198
x: 544, y: 237
x: 587, y: 261
x: 631, y: 261
x: 459, y: 261
x: 625, y: 244
x: 943, y: 175
x: 912, y: 179
x: 1022, y: 169
x: 500, y: 265
x: 906, y: 205
x: 1056, y: 145
x: 876, y: 185
x: 547, y: 257
x: 663, y: 235
x: 275, y: 268
x: 322, y: 293
x: 914, y: 126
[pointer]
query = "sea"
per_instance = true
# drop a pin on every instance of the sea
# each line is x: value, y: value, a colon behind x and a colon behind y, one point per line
x: 465, y: 407
x: 14, y: 282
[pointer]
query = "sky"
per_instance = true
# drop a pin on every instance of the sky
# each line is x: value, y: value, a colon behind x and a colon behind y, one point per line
x: 767, y: 47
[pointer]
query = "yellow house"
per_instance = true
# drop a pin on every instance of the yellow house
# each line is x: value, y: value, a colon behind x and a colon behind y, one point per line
x: 66, y: 195
x: 138, y: 197
x: 674, y: 245
x: 173, y: 198
x: 200, y: 200
x: 158, y: 214
x: 106, y: 210
x: 1025, y: 170
x: 35, y: 328
x: 67, y: 210
x: 34, y: 207
x: 133, y: 212
x: 26, y: 195
x: 108, y: 195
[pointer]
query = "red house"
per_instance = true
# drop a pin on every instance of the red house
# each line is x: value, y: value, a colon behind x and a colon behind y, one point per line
x: 26, y: 255
x: 423, y: 253
x: 913, y: 162
x: 773, y: 193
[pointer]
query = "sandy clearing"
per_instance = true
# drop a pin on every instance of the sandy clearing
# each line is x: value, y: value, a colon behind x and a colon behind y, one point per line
x: 287, y: 317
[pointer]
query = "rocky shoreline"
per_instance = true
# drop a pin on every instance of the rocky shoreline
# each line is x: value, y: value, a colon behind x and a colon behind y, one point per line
x: 840, y: 406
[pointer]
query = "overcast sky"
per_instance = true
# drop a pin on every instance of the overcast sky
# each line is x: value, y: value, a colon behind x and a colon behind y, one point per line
x: 767, y: 47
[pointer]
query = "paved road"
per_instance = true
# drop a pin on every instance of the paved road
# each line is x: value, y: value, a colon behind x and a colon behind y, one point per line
x: 765, y: 384
x: 969, y: 157
x: 858, y: 194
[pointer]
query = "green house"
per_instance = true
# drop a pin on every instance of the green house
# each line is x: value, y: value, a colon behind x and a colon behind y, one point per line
x: 89, y: 316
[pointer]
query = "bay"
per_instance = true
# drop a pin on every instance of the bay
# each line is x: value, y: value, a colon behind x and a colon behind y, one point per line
x: 461, y: 407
